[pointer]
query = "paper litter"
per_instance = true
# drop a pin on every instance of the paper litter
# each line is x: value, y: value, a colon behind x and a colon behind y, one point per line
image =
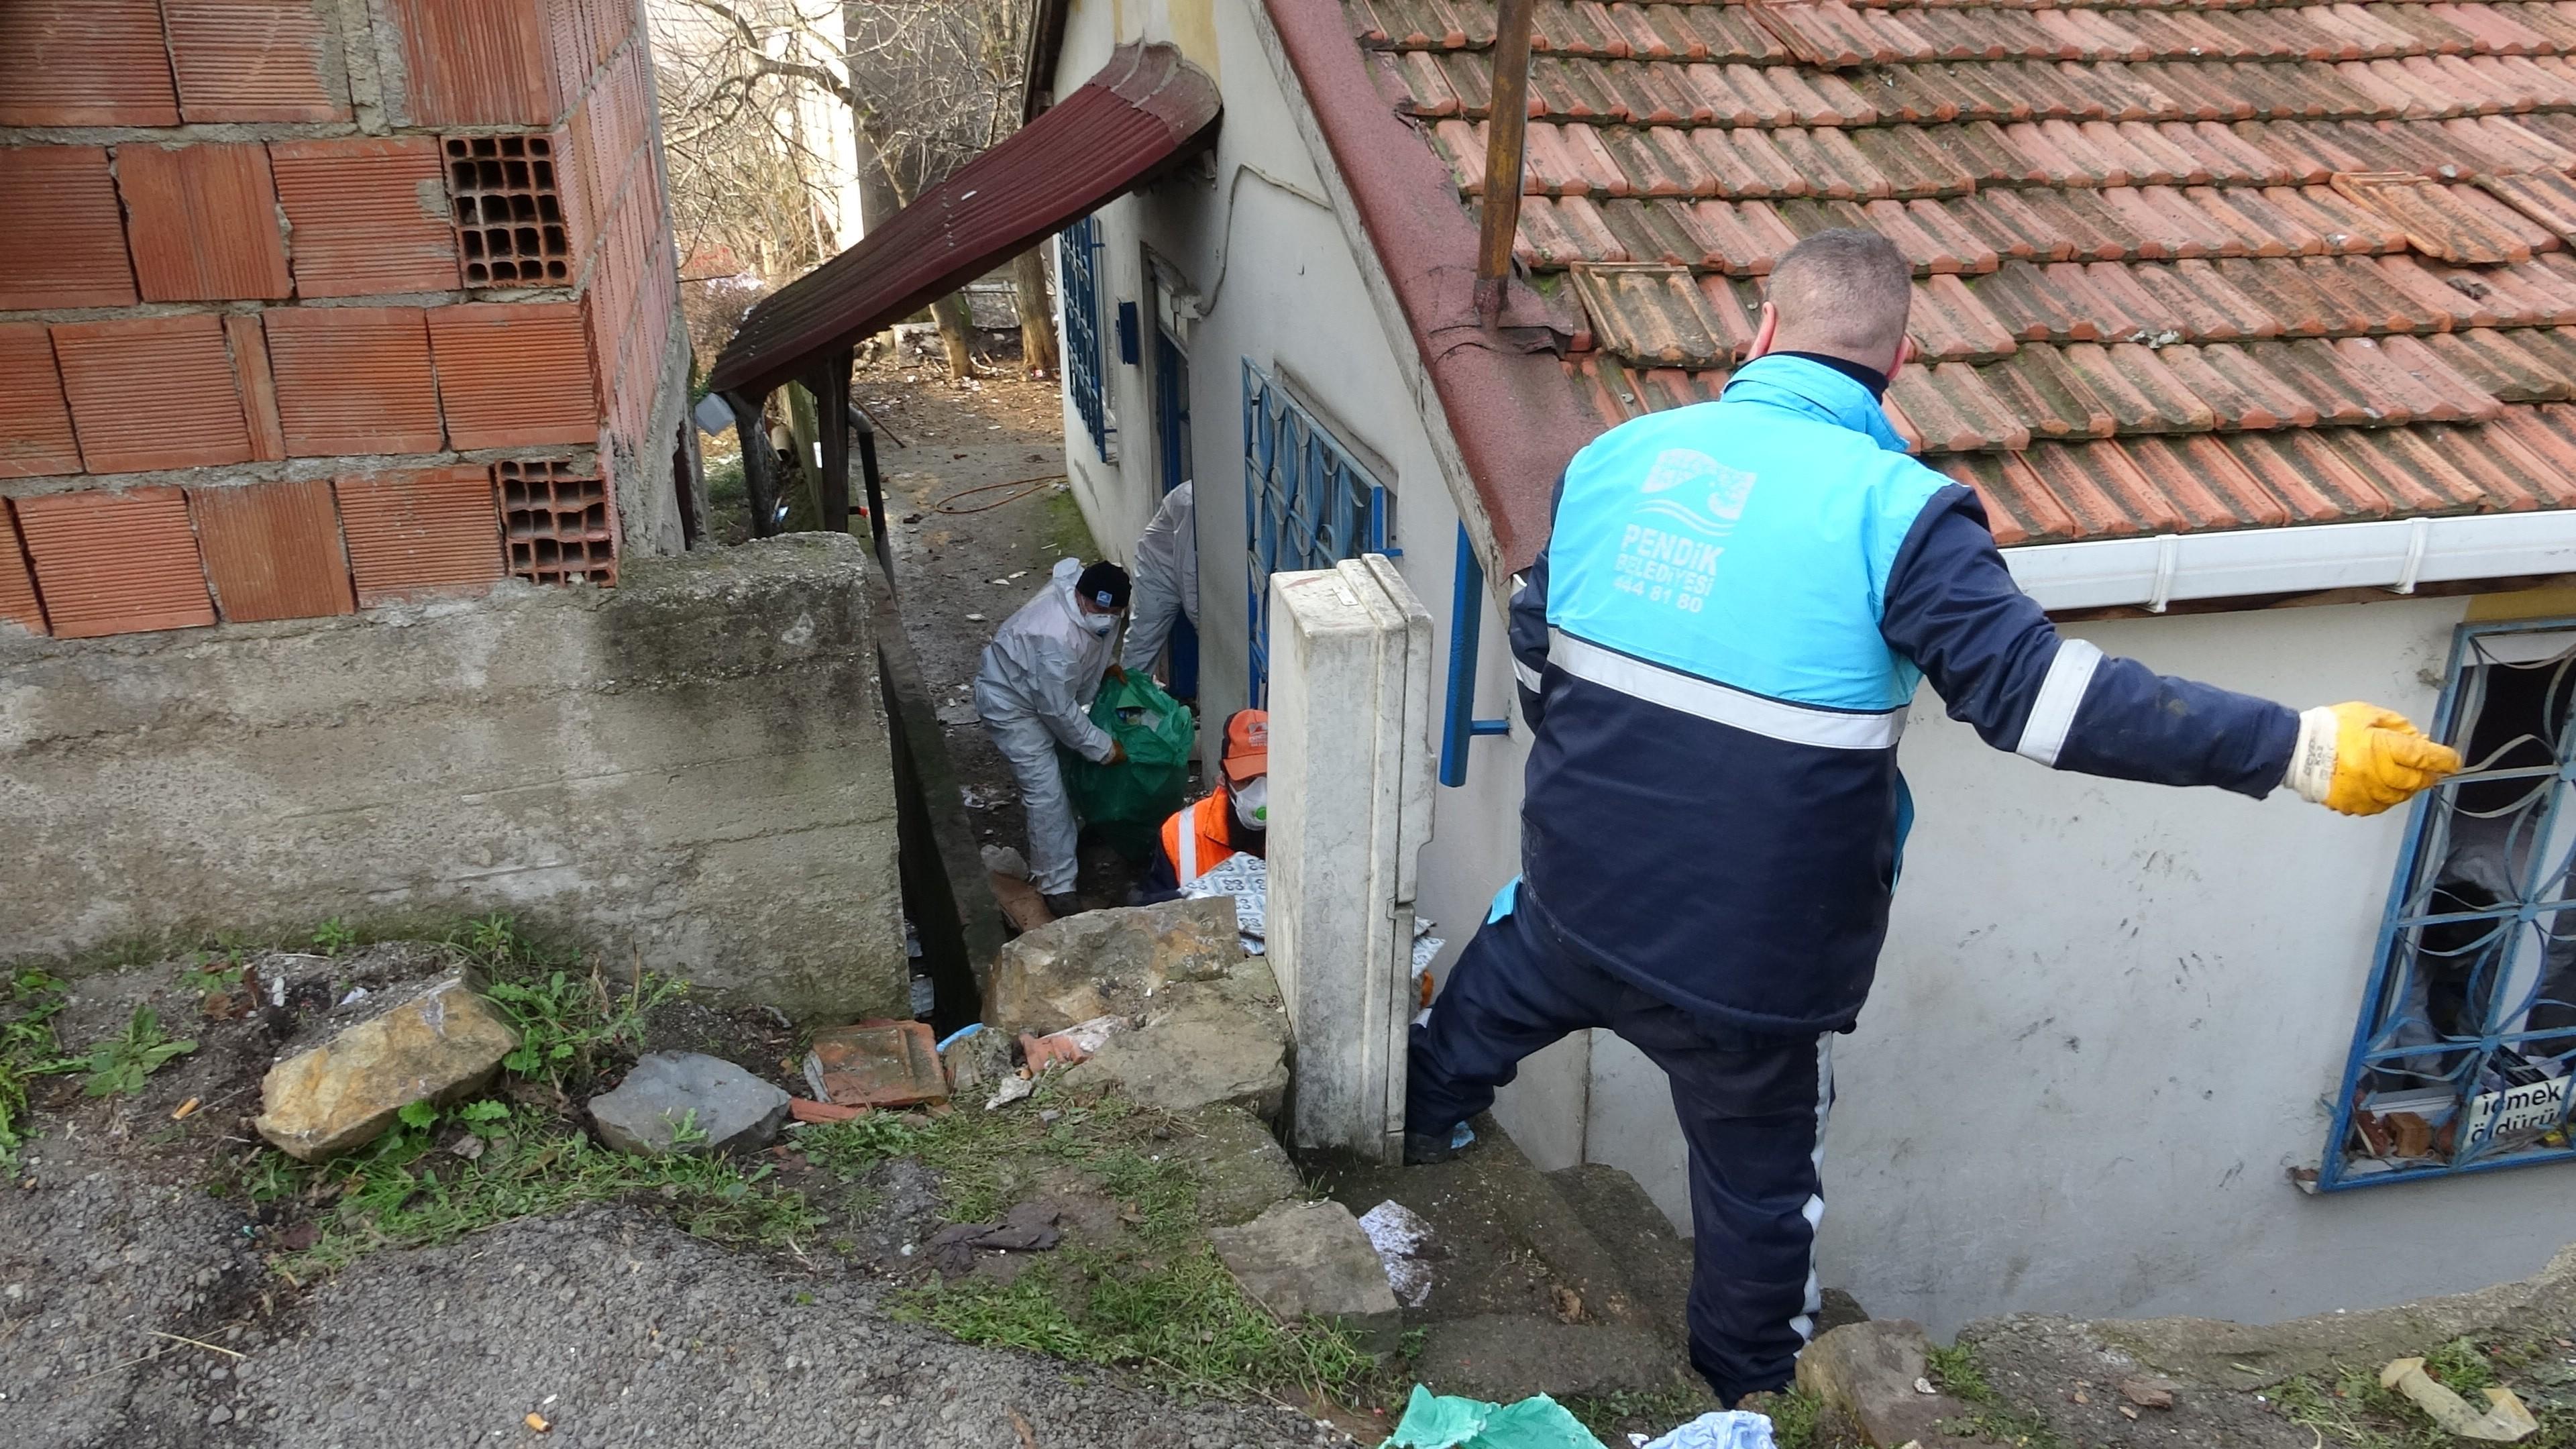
x: 1399, y: 1234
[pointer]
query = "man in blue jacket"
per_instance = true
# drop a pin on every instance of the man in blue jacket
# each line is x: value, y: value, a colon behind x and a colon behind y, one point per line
x: 1715, y: 652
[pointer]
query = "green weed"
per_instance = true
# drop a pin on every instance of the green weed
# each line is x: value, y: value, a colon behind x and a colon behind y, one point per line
x: 2349, y: 1407
x: 120, y: 1063
x: 210, y: 974
x: 28, y: 1049
x: 570, y: 1022
x: 1954, y: 1370
x: 333, y: 937
x: 1796, y: 1417
x: 402, y: 1191
x: 1183, y: 1325
x: 1612, y: 1416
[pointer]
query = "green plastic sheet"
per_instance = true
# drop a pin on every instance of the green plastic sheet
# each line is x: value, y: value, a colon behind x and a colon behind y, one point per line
x: 1134, y: 799
x: 1436, y: 1421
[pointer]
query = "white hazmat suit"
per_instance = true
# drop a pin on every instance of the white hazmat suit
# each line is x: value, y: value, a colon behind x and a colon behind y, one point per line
x: 1040, y: 674
x: 1166, y: 581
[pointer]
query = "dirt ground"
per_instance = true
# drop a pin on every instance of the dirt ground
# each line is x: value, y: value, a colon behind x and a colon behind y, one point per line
x: 149, y: 1298
x: 978, y: 513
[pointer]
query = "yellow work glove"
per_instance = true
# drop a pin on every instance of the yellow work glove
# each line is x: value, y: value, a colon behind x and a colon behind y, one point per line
x: 2360, y: 759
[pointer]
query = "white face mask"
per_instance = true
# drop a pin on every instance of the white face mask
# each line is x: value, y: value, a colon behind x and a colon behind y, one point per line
x: 1099, y: 623
x: 1252, y: 804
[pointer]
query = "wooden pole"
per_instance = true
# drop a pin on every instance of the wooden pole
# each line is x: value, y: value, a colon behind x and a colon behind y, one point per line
x: 759, y: 468
x: 831, y: 387
x: 1506, y: 128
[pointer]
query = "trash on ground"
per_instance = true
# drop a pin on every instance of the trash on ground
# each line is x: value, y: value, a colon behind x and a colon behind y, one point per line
x: 804, y: 1109
x: 2504, y: 1421
x: 1247, y: 879
x: 1006, y: 860
x: 876, y: 1064
x: 2149, y: 1393
x: 1027, y: 1228
x: 1400, y: 1235
x: 537, y: 1422
x: 184, y: 1109
x: 1433, y: 1421
x: 1021, y: 904
x: 1721, y: 1429
x: 1070, y: 1046
x: 1013, y: 1089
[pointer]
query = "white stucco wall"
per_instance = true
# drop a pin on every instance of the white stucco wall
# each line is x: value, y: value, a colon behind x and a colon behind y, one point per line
x: 2107, y: 1013
x: 1277, y: 284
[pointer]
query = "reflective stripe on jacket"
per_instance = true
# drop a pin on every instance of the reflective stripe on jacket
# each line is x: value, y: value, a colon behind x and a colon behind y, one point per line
x: 1716, y: 653
x: 1194, y: 838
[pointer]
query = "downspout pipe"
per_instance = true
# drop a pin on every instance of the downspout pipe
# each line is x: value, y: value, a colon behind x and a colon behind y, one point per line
x: 1458, y: 723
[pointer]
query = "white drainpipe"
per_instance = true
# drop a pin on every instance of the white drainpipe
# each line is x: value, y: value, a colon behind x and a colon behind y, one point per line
x: 2396, y: 555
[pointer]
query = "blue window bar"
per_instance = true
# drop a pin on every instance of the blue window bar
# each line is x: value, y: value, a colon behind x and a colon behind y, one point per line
x: 1307, y: 503
x: 1077, y: 273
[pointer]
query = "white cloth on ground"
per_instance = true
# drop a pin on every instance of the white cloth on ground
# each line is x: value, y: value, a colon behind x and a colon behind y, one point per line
x: 1040, y: 674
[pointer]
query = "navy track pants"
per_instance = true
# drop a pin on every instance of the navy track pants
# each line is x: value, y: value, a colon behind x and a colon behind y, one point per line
x: 1752, y: 1110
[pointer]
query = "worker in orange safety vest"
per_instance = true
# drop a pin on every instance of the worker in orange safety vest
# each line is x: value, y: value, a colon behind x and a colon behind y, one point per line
x: 1233, y: 819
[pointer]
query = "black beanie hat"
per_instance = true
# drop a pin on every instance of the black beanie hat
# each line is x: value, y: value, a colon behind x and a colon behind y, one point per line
x: 1104, y: 584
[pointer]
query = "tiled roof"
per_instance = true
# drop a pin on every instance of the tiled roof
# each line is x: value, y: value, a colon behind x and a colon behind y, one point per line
x: 2178, y: 267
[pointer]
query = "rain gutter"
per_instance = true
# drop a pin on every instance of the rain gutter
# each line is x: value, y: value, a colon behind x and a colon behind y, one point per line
x: 2398, y: 555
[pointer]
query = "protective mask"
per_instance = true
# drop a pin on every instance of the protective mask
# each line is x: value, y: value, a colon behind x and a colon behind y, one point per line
x: 1099, y: 623
x: 1252, y: 804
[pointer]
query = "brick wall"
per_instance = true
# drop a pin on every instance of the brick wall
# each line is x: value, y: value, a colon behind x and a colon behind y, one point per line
x: 308, y: 307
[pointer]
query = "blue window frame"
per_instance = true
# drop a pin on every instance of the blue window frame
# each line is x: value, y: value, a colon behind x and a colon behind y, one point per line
x: 1307, y: 503
x: 1077, y: 272
x: 2462, y: 1060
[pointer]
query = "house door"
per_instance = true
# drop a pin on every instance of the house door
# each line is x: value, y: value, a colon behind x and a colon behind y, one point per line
x: 1172, y: 435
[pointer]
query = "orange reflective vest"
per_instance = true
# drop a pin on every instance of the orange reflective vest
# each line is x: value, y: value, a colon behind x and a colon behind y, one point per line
x: 1194, y: 839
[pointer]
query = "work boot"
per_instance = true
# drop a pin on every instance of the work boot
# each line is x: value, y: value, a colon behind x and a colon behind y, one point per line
x: 1421, y: 1149
x: 1063, y: 904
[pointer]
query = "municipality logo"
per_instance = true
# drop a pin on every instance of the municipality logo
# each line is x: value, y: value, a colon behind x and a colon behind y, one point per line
x: 1723, y: 490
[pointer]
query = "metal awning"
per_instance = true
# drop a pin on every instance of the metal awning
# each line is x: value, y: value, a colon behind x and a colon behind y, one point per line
x: 1147, y: 111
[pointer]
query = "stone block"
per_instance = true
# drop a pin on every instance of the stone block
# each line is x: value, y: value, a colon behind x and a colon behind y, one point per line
x: 440, y: 1044
x: 722, y: 1107
x: 1202, y: 1044
x: 1307, y: 1257
x: 1869, y: 1371
x: 1108, y: 963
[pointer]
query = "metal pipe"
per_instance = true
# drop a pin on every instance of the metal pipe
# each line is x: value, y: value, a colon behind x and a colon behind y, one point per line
x: 1506, y: 131
x: 1458, y: 722
x: 878, y: 524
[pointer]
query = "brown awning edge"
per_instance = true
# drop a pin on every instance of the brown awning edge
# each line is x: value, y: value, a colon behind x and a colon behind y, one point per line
x: 1145, y: 113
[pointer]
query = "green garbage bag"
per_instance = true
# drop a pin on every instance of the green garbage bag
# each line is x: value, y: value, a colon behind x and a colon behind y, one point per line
x: 1436, y: 1421
x: 1130, y: 802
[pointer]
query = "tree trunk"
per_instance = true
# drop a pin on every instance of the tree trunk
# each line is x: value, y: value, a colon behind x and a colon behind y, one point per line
x: 1037, y: 318
x: 956, y: 332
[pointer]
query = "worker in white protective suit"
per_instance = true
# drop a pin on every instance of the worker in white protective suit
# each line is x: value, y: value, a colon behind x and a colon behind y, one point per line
x: 1034, y: 692
x: 1167, y: 579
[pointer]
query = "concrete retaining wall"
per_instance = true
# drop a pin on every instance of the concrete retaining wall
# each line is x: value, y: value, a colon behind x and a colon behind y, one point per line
x: 693, y: 764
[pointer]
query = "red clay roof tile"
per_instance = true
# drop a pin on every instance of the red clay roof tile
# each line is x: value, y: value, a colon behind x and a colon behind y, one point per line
x: 35, y: 423
x: 2416, y: 478
x: 420, y: 532
x: 353, y: 380
x: 2102, y: 489
x: 204, y: 221
x: 1650, y: 314
x: 2313, y: 483
x: 2261, y: 389
x: 115, y: 562
x: 2205, y: 482
x: 1949, y: 323
x: 272, y: 550
x: 2497, y: 363
x: 151, y: 392
x: 2045, y: 395
x: 2451, y: 397
x: 255, y: 60
x: 85, y: 63
x: 2018, y: 506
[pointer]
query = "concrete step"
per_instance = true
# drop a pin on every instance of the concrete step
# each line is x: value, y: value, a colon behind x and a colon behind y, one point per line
x: 1653, y: 1260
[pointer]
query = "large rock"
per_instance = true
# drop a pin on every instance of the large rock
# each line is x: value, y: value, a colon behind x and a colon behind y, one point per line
x: 1869, y: 1372
x: 1108, y: 963
x: 1242, y: 1169
x: 1307, y: 1257
x: 1202, y: 1043
x: 438, y: 1044
x: 723, y: 1107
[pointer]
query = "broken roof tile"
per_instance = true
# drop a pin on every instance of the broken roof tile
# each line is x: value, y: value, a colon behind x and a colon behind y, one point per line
x: 2019, y: 507
x: 1651, y: 314
x: 2436, y: 221
x: 2046, y: 396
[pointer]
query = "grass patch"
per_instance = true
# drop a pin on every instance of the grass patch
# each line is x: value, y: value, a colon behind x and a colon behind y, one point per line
x: 1612, y: 1417
x: 2347, y: 1406
x: 29, y: 1000
x: 1954, y: 1370
x: 1064, y: 533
